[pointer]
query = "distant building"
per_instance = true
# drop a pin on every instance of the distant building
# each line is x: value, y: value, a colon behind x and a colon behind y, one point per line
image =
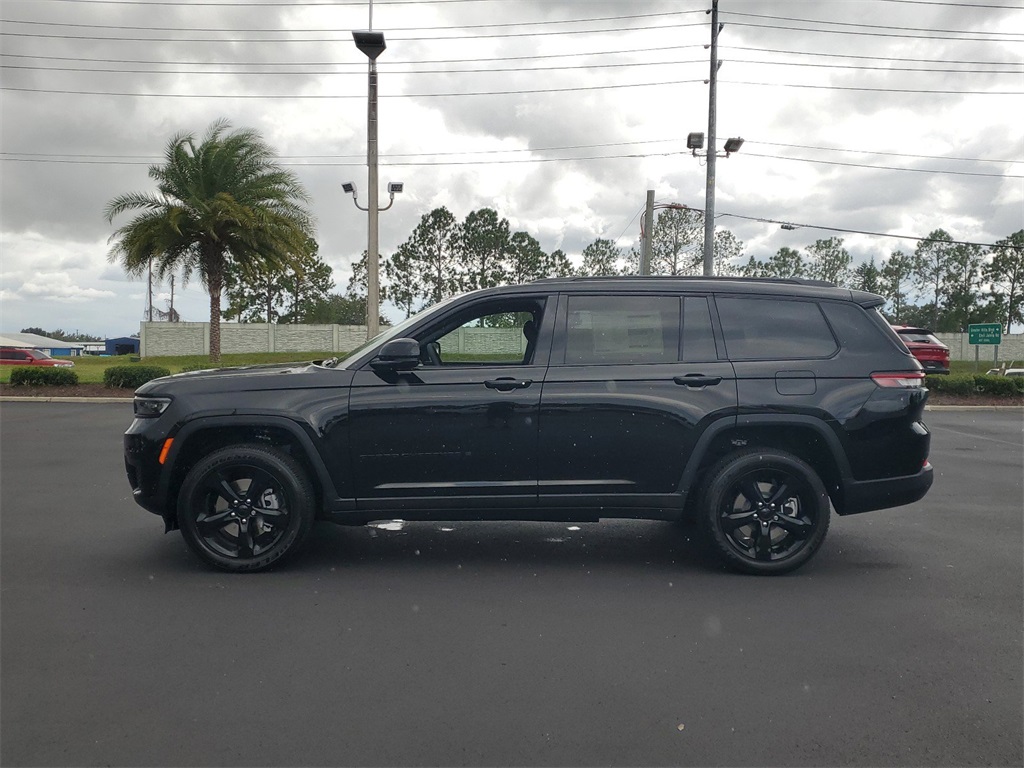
x: 125, y: 345
x: 52, y: 347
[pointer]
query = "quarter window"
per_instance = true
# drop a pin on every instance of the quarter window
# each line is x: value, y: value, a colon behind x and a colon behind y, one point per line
x: 622, y: 329
x: 770, y: 329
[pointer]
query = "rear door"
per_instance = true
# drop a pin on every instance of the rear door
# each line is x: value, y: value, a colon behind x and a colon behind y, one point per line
x: 632, y: 381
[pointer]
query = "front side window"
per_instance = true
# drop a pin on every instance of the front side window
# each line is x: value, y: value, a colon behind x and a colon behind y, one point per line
x: 774, y: 329
x: 492, y: 334
x: 609, y: 330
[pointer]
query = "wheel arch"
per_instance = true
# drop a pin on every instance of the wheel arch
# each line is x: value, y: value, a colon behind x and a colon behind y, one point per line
x: 806, y: 437
x: 199, y: 437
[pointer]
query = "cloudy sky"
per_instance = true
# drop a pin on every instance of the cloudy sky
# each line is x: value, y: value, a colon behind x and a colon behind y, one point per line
x: 874, y: 120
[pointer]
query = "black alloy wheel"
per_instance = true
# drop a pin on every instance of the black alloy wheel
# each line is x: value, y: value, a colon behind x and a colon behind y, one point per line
x: 246, y: 507
x: 765, y: 511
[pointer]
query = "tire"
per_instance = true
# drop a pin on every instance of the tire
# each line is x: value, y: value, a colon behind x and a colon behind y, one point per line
x: 764, y: 511
x: 235, y: 530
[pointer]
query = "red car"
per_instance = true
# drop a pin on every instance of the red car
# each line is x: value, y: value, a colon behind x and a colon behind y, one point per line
x: 21, y: 356
x: 929, y: 351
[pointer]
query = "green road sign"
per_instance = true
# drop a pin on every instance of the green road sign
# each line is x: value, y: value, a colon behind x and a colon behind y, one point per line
x: 985, y: 333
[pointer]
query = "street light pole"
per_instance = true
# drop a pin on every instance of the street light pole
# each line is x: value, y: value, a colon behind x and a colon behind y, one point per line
x: 372, y: 44
x: 372, y: 253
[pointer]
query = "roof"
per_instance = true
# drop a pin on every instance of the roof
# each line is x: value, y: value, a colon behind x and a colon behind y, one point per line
x: 35, y: 341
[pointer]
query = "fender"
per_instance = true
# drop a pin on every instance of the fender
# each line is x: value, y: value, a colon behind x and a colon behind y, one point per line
x: 720, y: 426
x: 202, y: 423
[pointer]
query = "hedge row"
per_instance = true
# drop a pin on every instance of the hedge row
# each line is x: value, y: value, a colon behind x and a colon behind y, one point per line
x: 971, y: 384
x: 38, y: 376
x: 132, y: 376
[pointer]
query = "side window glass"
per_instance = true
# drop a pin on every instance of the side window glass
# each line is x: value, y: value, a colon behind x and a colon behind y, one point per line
x: 491, y: 338
x: 698, y: 336
x: 622, y: 329
x: 773, y: 329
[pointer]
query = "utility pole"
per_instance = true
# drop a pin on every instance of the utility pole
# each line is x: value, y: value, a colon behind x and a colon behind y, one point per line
x: 709, y: 193
x: 645, y: 247
x: 172, y: 316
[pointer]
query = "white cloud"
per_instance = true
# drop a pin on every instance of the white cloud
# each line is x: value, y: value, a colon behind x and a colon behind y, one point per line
x: 51, y: 210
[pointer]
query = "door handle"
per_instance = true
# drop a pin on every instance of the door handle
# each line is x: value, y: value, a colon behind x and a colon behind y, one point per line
x: 507, y: 384
x: 697, y: 380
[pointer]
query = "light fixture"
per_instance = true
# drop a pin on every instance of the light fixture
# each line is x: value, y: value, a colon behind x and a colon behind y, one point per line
x: 395, y: 187
x: 733, y: 145
x: 349, y: 188
x: 695, y: 140
x: 370, y: 43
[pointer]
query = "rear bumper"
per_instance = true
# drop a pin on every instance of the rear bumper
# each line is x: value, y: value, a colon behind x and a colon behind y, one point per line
x: 867, y: 495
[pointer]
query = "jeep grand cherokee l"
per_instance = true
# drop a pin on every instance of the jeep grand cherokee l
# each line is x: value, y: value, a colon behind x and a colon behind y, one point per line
x: 753, y: 406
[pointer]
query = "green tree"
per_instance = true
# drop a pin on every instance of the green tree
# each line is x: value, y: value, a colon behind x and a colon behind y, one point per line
x: 484, y: 243
x: 895, y: 279
x: 677, y: 242
x: 727, y: 250
x: 828, y: 260
x: 526, y: 259
x: 1005, y: 275
x: 963, y: 288
x: 424, y: 269
x: 784, y: 263
x: 931, y: 270
x: 307, y: 284
x: 559, y: 264
x: 867, y: 277
x: 601, y: 259
x: 223, y: 199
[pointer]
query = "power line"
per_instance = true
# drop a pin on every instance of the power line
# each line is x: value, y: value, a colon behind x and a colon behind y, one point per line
x: 750, y: 142
x: 873, y: 58
x: 857, y: 231
x: 881, y: 34
x: 348, y: 96
x: 875, y: 90
x: 866, y: 26
x: 354, y: 72
x: 883, y: 167
x: 432, y: 38
x: 548, y: 22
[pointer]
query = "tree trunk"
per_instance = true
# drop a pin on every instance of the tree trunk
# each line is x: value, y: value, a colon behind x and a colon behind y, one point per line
x: 215, y: 284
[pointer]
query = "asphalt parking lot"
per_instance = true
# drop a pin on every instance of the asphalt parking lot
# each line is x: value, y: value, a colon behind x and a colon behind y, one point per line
x: 505, y: 643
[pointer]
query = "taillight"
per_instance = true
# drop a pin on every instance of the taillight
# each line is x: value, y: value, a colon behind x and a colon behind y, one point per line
x: 902, y: 380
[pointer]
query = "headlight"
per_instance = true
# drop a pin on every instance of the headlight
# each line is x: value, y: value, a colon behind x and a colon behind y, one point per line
x: 149, y: 407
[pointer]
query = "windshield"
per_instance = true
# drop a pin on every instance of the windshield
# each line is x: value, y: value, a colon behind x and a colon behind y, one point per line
x: 395, y: 331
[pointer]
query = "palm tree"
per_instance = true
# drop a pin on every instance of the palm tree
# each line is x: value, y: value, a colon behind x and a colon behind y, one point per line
x: 223, y: 200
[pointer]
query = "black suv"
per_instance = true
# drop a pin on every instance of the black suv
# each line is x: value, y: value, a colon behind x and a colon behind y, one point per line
x: 750, y: 405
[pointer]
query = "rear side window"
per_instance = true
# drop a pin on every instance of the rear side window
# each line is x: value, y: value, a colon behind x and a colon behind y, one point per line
x: 772, y: 329
x: 608, y: 330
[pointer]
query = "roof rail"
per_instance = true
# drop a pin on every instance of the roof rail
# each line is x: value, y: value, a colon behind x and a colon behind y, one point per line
x: 601, y: 278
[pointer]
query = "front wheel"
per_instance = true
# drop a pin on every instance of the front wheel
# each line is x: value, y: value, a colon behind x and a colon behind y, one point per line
x: 764, y: 511
x: 246, y: 507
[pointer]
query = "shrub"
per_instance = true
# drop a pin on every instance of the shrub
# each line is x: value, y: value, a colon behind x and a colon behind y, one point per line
x: 999, y: 386
x: 132, y: 376
x: 38, y: 376
x: 952, y: 384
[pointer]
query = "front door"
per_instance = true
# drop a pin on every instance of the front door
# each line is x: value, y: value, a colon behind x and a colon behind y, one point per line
x: 460, y: 431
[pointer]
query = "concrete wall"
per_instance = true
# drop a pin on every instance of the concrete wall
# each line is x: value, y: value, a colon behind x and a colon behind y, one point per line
x: 177, y: 339
x: 174, y: 339
x: 1011, y: 349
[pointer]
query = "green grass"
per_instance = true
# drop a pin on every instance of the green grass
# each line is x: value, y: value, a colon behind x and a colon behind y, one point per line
x: 90, y: 368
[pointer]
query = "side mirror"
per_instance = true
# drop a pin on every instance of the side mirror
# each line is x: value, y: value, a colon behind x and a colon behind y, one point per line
x: 397, y: 355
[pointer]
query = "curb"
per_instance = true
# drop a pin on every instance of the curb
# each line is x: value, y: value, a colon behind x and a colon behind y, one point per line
x: 974, y: 408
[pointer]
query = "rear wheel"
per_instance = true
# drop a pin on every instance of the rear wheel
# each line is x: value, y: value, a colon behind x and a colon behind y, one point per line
x: 764, y: 511
x: 246, y: 507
